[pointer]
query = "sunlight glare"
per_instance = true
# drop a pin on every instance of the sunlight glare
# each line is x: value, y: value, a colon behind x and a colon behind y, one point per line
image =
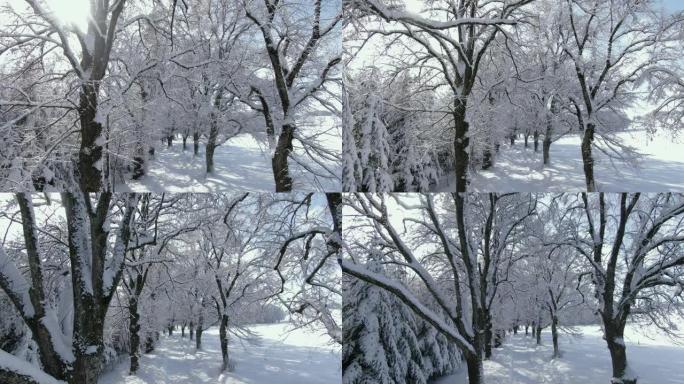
x: 71, y: 12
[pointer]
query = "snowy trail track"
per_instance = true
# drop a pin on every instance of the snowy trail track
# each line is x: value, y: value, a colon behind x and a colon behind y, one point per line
x: 279, y: 357
x: 585, y: 360
x: 240, y: 163
x: 519, y: 169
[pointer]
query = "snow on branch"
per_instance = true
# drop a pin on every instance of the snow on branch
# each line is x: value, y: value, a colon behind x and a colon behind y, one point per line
x: 15, y: 285
x: 419, y: 21
x: 113, y: 271
x: 16, y: 370
x: 409, y: 299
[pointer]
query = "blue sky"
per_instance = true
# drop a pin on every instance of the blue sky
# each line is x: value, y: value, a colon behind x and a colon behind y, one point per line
x: 674, y: 5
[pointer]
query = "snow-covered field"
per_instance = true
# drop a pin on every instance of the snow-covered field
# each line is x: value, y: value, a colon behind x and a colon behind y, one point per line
x: 280, y: 356
x: 585, y: 359
x: 519, y: 169
x: 240, y: 163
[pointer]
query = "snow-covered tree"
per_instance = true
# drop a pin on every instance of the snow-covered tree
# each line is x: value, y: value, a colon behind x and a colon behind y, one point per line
x: 631, y: 245
x: 460, y: 248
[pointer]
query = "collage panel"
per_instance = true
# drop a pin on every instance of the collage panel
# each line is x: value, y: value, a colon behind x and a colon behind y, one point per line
x: 156, y: 96
x: 170, y: 288
x: 513, y: 96
x: 341, y: 191
x: 513, y: 288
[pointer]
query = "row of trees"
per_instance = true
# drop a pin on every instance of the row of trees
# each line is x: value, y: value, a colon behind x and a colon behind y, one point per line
x: 90, y: 105
x: 486, y: 73
x: 476, y: 265
x: 92, y: 276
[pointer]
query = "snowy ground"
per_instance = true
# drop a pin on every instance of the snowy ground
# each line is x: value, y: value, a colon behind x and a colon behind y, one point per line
x: 297, y: 357
x: 240, y: 163
x: 654, y: 357
x: 520, y: 169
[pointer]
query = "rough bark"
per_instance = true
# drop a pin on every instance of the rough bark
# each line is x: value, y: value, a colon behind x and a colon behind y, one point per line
x: 134, y: 334
x: 614, y: 332
x: 90, y: 154
x: 554, y: 336
x: 487, y: 159
x: 537, y: 333
x: 475, y: 369
x: 281, y: 171
x: 198, y: 337
x: 499, y: 336
x: 548, y: 134
x: 213, y: 135
x: 461, y: 142
x: 223, y: 335
x: 198, y: 332
x: 49, y: 358
x: 195, y: 143
x: 587, y: 157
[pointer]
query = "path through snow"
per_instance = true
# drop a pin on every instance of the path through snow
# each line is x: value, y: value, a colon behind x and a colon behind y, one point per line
x: 241, y: 163
x: 586, y: 359
x: 281, y: 356
x: 519, y: 169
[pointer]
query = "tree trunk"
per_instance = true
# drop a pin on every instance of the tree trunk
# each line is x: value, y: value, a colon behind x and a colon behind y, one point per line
x: 527, y: 140
x: 90, y: 160
x: 213, y: 134
x: 185, y: 142
x: 475, y: 369
x: 138, y: 167
x: 182, y: 330
x: 527, y: 329
x: 223, y: 335
x: 87, y: 366
x: 134, y: 334
x: 149, y: 341
x: 191, y: 331
x: 198, y: 332
x: 512, y: 139
x: 461, y: 142
x: 487, y: 159
x: 546, y: 148
x: 538, y: 333
x: 499, y: 336
x: 209, y: 154
x: 587, y: 157
x: 281, y: 170
x: 198, y: 337
x: 548, y: 134
x: 618, y: 354
x: 488, y: 342
x: 169, y: 141
x: 195, y: 143
x: 536, y: 141
x: 554, y: 336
